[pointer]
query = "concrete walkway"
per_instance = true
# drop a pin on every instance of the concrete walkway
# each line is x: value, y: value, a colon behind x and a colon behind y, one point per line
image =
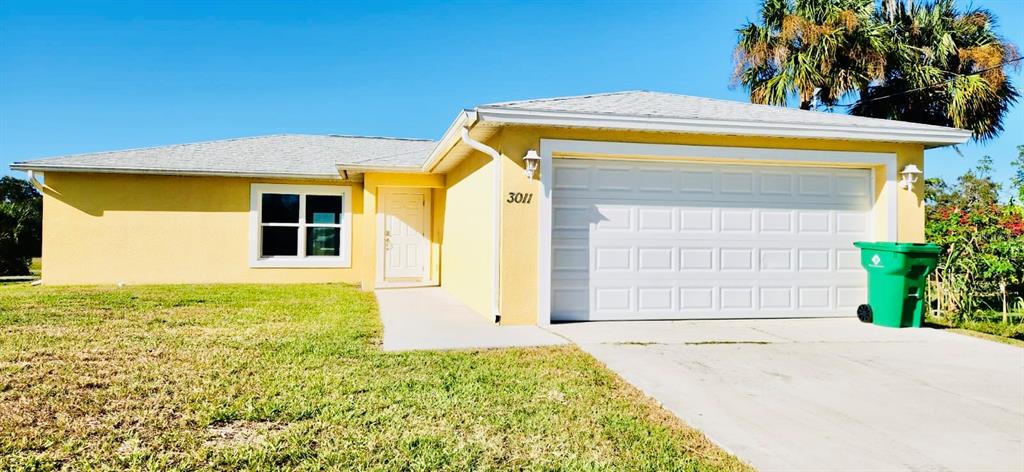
x: 430, y: 318
x: 827, y: 394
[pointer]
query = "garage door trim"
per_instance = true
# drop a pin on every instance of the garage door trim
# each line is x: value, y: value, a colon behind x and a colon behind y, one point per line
x: 554, y: 149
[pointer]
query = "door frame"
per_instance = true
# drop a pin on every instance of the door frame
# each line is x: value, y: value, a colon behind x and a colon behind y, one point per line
x: 568, y: 149
x: 382, y: 195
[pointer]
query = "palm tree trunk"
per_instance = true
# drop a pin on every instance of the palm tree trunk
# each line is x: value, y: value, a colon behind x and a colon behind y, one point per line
x: 889, y: 6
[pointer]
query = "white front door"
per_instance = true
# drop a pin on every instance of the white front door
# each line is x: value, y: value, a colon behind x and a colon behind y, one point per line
x: 406, y: 221
x: 640, y: 240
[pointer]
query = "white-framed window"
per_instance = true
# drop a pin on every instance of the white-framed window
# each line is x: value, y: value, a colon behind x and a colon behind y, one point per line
x: 300, y: 226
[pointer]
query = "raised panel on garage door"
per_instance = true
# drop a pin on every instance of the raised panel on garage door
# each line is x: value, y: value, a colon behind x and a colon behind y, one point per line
x: 689, y: 241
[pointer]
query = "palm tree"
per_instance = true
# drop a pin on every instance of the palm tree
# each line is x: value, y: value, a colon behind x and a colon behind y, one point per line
x: 812, y: 49
x: 946, y: 68
x: 926, y: 63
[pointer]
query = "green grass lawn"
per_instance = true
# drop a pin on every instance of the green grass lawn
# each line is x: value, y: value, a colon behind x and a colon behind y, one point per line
x: 272, y: 376
x: 36, y: 268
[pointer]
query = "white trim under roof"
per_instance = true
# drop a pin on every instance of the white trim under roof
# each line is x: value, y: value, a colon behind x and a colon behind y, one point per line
x: 928, y: 135
x: 451, y: 137
x: 30, y: 166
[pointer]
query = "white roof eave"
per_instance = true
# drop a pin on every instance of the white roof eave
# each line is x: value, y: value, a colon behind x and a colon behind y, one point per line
x: 930, y: 135
x: 451, y: 138
x: 41, y: 167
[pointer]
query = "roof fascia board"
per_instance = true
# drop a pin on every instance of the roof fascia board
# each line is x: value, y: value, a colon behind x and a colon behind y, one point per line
x: 939, y: 136
x: 452, y: 137
x: 27, y: 166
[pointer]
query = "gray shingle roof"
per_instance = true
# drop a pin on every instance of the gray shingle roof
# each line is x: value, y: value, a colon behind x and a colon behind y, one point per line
x: 319, y: 156
x: 297, y: 155
x: 641, y: 103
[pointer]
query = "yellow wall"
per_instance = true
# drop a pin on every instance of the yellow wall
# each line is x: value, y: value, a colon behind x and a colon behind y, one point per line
x: 466, y: 251
x: 519, y: 280
x: 141, y: 229
x: 136, y: 229
x: 910, y: 205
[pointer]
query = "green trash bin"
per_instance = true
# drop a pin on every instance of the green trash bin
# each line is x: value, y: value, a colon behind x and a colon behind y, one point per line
x: 896, y: 281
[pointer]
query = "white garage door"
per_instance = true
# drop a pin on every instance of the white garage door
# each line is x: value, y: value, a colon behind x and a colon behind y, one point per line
x: 687, y: 241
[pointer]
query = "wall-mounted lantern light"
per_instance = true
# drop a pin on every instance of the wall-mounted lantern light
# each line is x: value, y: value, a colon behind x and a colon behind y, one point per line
x: 910, y: 174
x: 532, y: 160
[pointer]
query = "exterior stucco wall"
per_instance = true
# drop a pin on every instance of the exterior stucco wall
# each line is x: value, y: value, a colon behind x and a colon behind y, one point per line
x: 147, y: 229
x: 467, y: 241
x: 520, y: 245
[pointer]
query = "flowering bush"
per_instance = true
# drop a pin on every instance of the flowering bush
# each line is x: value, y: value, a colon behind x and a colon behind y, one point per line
x: 982, y: 267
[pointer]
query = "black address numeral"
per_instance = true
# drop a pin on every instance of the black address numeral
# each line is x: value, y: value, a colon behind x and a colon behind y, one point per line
x: 520, y: 198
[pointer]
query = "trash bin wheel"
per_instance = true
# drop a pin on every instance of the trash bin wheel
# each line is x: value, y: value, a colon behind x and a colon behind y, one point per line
x: 864, y: 313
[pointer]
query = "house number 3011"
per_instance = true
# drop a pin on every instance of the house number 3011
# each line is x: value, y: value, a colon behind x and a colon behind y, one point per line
x: 519, y: 197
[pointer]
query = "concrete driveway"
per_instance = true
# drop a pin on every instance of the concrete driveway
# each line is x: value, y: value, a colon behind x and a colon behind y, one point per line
x: 827, y: 394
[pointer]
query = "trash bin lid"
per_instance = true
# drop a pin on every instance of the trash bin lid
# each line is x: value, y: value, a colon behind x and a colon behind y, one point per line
x: 906, y: 248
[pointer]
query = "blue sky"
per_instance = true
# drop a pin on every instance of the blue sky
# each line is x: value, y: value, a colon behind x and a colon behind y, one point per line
x: 93, y: 76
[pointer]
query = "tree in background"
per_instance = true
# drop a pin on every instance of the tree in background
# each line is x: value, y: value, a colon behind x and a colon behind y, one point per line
x: 925, y: 62
x: 1018, y: 175
x: 812, y: 49
x: 945, y: 68
x: 21, y: 217
x: 983, y: 263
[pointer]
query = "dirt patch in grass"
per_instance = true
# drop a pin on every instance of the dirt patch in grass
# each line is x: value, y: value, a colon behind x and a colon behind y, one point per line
x: 240, y: 433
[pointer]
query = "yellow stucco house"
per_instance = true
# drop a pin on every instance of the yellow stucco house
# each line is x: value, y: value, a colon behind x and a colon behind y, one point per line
x: 630, y: 205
